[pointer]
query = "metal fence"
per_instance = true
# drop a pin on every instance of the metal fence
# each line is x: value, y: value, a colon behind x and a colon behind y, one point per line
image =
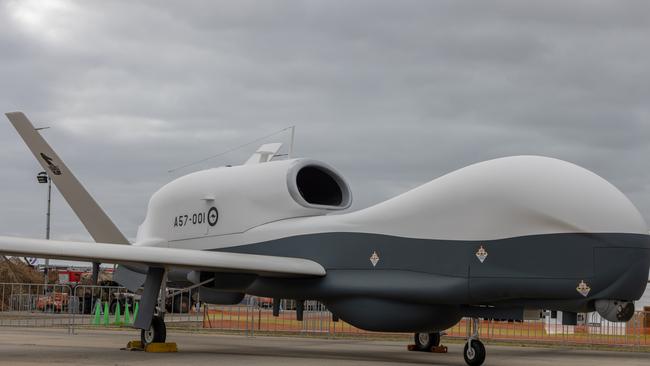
x: 35, y: 305
x: 39, y: 305
x: 116, y: 307
x: 591, y: 330
x: 254, y: 316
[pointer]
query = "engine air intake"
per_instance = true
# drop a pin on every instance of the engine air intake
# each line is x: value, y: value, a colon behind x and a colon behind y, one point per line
x: 315, y: 185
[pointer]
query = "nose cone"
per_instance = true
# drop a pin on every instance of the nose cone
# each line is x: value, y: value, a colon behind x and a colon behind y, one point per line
x: 622, y: 267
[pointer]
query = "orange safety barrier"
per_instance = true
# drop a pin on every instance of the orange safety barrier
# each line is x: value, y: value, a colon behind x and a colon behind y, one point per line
x: 591, y: 330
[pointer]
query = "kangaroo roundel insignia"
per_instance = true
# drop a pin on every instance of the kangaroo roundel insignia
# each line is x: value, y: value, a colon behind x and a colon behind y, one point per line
x: 583, y: 288
x: 374, y: 258
x: 213, y: 216
x: 481, y: 254
x: 49, y: 161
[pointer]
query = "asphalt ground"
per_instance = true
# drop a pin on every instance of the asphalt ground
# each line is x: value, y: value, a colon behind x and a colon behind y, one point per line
x: 19, y: 346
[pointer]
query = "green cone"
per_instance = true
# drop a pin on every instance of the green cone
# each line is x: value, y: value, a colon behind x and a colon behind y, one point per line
x: 98, y: 313
x: 106, y: 314
x: 118, y: 315
x: 135, y: 312
x: 127, y: 315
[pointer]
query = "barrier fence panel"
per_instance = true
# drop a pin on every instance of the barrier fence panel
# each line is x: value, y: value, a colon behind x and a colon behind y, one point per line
x: 183, y: 308
x: 255, y: 315
x: 591, y: 330
x: 40, y: 305
x: 35, y: 305
x: 116, y: 306
x: 103, y: 306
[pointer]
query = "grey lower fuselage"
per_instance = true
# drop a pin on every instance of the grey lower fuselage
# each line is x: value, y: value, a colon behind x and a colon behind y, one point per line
x: 430, y: 276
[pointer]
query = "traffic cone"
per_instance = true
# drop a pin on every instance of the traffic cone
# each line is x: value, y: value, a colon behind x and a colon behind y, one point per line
x: 106, y: 314
x: 118, y: 315
x: 98, y: 313
x: 135, y: 312
x: 127, y: 315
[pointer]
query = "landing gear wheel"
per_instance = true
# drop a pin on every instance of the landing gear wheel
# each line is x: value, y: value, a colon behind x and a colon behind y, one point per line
x: 425, y: 341
x: 157, y: 332
x: 474, y: 352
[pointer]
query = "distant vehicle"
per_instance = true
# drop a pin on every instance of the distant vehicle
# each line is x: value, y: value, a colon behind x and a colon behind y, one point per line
x: 70, y: 277
x: 56, y: 302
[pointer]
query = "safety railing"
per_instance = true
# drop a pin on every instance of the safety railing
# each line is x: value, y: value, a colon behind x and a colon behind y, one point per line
x: 256, y: 316
x: 39, y: 305
x: 35, y: 305
x: 116, y: 307
x: 591, y: 330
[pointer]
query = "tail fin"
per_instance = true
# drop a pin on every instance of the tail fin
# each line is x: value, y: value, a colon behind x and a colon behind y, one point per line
x: 98, y: 224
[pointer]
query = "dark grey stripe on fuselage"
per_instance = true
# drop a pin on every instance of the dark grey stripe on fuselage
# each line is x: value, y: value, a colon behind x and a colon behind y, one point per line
x: 529, y: 268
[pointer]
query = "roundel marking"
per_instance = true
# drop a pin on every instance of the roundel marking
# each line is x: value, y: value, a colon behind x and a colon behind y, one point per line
x: 213, y: 216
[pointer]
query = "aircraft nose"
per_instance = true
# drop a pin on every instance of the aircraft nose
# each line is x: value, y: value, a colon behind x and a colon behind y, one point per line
x: 622, y: 271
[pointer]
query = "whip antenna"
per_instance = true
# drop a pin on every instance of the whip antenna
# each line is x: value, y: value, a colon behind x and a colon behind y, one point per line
x: 292, y: 128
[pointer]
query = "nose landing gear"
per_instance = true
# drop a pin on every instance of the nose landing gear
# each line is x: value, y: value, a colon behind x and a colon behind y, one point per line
x: 474, y: 351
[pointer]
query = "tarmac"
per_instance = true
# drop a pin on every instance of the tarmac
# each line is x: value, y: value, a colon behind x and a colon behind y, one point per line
x: 20, y: 346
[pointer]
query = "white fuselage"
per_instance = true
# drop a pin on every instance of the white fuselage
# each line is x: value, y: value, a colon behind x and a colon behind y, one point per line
x: 496, y: 199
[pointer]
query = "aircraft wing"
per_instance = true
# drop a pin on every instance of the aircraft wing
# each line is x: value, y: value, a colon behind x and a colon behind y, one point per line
x: 268, y: 266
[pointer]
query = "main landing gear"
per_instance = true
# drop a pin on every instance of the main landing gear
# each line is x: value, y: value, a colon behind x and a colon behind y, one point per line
x: 152, y: 304
x: 474, y: 351
x: 426, y: 341
x: 157, y: 333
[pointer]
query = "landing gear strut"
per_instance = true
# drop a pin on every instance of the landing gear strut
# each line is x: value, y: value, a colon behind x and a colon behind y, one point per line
x: 153, y: 303
x: 474, y: 351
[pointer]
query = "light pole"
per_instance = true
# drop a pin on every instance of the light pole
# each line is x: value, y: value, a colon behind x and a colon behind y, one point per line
x: 43, y: 178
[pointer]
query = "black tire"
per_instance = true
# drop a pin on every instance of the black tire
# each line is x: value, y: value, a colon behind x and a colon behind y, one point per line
x: 157, y: 332
x: 475, y: 356
x: 425, y: 341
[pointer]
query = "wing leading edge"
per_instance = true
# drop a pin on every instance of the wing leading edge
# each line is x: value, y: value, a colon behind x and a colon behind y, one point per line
x: 269, y: 266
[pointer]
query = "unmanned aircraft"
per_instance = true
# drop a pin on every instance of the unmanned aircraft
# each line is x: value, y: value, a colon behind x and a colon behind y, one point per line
x: 500, y: 239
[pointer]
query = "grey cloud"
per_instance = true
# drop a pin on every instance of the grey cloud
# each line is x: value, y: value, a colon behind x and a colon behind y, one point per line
x: 392, y: 93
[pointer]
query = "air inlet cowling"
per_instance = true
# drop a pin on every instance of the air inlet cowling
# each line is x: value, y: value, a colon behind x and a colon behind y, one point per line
x: 314, y: 184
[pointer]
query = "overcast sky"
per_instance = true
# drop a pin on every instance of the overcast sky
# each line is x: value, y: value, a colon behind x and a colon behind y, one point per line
x: 392, y: 93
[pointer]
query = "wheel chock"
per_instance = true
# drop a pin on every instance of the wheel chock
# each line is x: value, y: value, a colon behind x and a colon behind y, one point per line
x: 161, y: 347
x: 133, y: 346
x: 152, y: 347
x: 439, y: 349
x: 434, y: 349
